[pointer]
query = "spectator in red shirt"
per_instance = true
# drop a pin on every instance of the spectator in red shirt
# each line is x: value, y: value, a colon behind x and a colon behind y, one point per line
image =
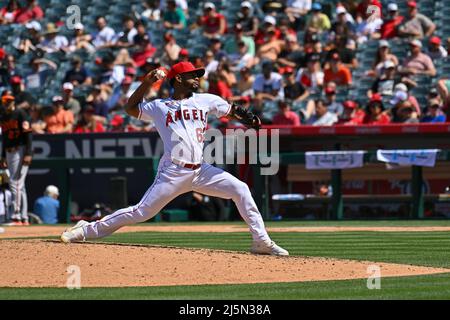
x: 361, y: 10
x: 31, y: 11
x: 89, y: 122
x: 337, y: 72
x: 312, y: 76
x: 268, y: 31
x: 352, y: 114
x: 144, y: 51
x: 285, y: 116
x: 9, y: 13
x: 218, y: 87
x: 375, y: 111
x: 393, y: 20
x: 213, y: 23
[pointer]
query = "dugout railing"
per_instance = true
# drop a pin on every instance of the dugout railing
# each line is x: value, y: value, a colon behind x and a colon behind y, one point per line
x: 336, y: 177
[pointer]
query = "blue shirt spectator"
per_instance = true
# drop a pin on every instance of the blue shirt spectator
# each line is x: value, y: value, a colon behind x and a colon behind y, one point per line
x: 39, y: 74
x: 47, y: 207
x: 434, y: 113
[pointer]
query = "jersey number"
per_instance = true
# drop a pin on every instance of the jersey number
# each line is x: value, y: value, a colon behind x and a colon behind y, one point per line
x: 200, y: 134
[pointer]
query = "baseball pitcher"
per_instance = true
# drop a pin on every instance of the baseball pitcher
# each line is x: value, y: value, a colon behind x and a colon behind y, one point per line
x: 16, y: 155
x: 181, y: 122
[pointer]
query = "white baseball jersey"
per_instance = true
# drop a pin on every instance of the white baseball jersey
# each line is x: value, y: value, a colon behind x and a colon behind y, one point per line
x: 182, y: 123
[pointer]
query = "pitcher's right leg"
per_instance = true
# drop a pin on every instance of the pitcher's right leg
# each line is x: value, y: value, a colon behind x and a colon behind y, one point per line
x: 168, y: 184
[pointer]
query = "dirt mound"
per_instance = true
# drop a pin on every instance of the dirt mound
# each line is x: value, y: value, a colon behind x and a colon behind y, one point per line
x: 40, y: 263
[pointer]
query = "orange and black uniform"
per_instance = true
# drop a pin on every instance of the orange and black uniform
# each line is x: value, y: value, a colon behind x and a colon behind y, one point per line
x: 16, y: 136
x: 16, y: 132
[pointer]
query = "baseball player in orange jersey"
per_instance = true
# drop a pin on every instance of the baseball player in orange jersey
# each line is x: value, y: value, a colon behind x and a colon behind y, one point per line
x: 16, y: 155
x: 181, y: 122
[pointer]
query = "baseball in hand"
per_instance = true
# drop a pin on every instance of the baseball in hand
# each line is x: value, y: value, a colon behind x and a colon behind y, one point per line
x: 160, y: 74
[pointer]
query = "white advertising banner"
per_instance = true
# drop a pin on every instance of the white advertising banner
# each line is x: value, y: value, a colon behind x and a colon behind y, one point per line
x: 421, y: 157
x: 334, y: 159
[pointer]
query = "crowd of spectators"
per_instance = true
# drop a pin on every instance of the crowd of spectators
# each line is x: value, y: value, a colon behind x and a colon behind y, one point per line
x: 292, y: 56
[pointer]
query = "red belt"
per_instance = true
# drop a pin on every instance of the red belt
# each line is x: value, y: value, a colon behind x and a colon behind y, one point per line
x: 192, y: 166
x: 187, y: 165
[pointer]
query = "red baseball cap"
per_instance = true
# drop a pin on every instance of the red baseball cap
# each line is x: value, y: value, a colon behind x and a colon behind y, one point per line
x: 330, y: 91
x: 184, y: 52
x: 435, y: 40
x: 117, y: 120
x: 130, y: 71
x: 349, y: 104
x: 288, y: 70
x: 184, y: 67
x: 16, y: 80
x: 376, y: 97
x: 245, y: 99
x: 412, y: 4
x: 127, y: 80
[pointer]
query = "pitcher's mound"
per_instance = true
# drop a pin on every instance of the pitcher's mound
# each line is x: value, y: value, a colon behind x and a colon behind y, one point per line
x: 38, y: 263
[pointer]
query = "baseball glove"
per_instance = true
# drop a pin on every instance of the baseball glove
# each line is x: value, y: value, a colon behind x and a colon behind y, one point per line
x: 246, y: 117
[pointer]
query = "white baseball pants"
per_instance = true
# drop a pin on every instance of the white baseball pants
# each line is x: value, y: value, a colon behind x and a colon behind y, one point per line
x: 18, y: 173
x: 173, y: 180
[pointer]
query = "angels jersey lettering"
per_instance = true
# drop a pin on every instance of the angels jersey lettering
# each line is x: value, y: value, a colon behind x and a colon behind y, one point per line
x: 182, y: 123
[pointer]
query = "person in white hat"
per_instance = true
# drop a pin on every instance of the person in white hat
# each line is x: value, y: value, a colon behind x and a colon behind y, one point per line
x: 269, y: 40
x: 47, y: 206
x: 29, y: 42
x: 70, y: 103
x: 80, y: 40
x: 340, y: 10
x: 33, y: 25
x: 418, y: 63
x: 270, y: 20
x: 385, y: 84
x: 390, y: 23
x: 246, y: 4
x: 401, y: 93
x: 268, y: 33
x: 60, y: 120
x: 247, y: 19
x: 213, y: 23
x: 383, y: 54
